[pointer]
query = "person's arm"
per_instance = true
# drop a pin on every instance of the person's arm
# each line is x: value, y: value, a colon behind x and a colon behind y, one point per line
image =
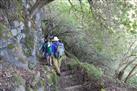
x: 42, y: 48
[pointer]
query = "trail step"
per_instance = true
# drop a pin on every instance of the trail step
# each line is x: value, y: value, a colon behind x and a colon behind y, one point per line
x: 71, y: 80
x: 65, y: 68
x: 69, y: 72
x: 75, y: 88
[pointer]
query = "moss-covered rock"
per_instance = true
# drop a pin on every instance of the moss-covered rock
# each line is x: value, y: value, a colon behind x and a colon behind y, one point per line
x: 11, y: 46
x: 2, y: 28
x: 29, y: 44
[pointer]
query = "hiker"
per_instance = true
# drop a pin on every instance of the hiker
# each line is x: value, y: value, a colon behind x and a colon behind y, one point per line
x: 58, y: 52
x: 47, y: 50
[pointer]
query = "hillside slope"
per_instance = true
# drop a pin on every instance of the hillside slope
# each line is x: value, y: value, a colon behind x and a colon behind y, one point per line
x: 78, y: 79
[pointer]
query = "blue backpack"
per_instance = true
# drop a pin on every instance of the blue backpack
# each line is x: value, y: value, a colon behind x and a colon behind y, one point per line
x: 58, y: 49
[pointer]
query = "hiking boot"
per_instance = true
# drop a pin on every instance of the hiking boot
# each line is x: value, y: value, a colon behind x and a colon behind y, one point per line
x: 59, y: 74
x: 50, y: 64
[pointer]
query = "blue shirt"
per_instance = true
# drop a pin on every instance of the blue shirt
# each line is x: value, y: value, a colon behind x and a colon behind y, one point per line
x: 54, y: 47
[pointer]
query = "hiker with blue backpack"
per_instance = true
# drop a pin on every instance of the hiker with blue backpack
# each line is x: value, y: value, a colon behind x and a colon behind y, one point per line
x: 58, y: 52
x: 53, y: 52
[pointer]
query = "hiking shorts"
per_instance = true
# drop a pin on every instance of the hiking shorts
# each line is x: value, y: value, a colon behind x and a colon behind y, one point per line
x: 48, y: 55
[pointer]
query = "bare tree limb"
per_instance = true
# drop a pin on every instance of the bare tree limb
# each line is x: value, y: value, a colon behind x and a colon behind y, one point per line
x: 39, y: 4
x: 130, y: 63
x: 121, y: 72
x: 124, y: 56
x: 130, y: 73
x: 133, y: 74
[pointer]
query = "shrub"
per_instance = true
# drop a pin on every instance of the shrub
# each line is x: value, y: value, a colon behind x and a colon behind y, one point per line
x: 10, y: 46
x: 92, y: 70
x: 133, y: 80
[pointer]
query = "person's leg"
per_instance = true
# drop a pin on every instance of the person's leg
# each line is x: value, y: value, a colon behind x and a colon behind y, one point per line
x: 50, y: 60
x: 61, y: 59
x: 46, y: 59
x: 56, y: 65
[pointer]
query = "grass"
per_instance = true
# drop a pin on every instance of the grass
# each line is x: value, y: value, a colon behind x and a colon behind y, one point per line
x: 74, y: 64
x: 53, y: 80
x: 90, y: 69
x: 10, y: 46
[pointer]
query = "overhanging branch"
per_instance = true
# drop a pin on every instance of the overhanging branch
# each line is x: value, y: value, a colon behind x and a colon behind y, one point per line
x: 38, y: 5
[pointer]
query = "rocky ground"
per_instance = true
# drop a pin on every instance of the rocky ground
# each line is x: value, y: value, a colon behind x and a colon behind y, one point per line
x: 43, y: 78
x: 18, y: 79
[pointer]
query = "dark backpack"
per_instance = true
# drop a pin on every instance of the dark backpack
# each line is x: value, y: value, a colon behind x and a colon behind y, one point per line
x: 46, y: 48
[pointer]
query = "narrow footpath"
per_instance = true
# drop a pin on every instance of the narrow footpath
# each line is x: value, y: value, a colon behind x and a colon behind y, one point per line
x: 71, y: 79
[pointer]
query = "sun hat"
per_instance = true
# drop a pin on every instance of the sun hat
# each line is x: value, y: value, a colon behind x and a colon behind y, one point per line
x: 55, y: 39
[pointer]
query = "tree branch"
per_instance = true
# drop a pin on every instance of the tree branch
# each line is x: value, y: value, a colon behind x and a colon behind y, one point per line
x: 130, y: 73
x: 38, y: 5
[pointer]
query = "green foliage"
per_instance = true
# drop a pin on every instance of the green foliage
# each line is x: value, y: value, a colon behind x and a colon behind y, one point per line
x: 92, y: 70
x: 108, y: 34
x: 19, y: 12
x: 2, y: 28
x: 31, y: 65
x: 43, y: 82
x: 10, y: 46
x: 133, y: 80
x: 18, y: 80
x: 128, y: 16
x: 53, y: 80
x: 74, y: 64
x: 29, y: 42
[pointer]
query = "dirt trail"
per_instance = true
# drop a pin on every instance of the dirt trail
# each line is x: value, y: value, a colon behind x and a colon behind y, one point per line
x: 71, y: 79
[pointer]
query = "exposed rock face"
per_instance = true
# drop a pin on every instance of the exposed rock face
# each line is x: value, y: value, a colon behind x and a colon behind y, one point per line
x: 13, y: 44
x: 18, y: 79
x: 14, y: 38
